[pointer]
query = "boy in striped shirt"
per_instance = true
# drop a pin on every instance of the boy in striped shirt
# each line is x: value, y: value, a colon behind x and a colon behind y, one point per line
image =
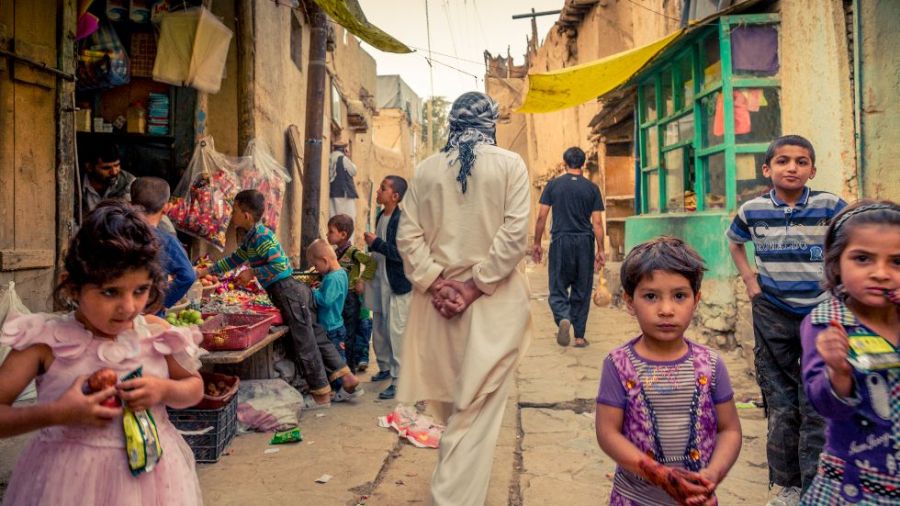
x: 787, y: 227
x: 319, y: 362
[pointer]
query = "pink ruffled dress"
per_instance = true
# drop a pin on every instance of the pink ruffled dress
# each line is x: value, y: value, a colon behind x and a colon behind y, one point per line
x: 65, y: 465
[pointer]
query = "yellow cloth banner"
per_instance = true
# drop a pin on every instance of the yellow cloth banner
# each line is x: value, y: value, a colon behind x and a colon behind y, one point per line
x: 564, y: 88
x: 349, y: 14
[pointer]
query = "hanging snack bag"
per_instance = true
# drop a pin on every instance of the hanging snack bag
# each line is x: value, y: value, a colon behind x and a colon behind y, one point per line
x: 141, y: 437
x: 204, y: 197
x: 265, y: 174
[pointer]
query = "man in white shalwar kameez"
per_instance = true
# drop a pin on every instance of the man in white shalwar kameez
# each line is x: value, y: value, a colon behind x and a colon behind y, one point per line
x: 462, y: 238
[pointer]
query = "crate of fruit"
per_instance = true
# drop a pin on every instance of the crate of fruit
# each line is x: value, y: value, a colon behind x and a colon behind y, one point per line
x: 207, y: 431
x: 218, y: 389
x: 234, y: 331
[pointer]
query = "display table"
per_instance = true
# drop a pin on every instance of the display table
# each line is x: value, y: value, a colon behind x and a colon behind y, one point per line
x: 247, y: 363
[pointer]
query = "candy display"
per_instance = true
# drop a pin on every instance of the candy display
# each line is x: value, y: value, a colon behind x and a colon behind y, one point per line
x: 203, y: 200
x: 265, y: 174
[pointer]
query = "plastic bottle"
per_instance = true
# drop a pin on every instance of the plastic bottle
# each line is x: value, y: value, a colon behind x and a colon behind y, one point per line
x: 194, y: 296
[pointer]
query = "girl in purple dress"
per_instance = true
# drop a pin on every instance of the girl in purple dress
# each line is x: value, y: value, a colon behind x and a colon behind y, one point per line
x: 77, y: 454
x: 851, y: 360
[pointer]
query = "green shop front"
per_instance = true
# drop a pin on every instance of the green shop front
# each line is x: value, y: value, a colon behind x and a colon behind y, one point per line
x: 707, y: 107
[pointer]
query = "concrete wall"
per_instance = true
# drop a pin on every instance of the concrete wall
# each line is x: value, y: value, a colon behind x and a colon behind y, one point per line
x: 880, y: 109
x: 816, y: 96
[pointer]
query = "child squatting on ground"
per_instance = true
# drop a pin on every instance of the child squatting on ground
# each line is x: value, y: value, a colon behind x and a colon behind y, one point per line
x: 851, y: 359
x: 318, y: 361
x: 787, y: 228
x: 77, y: 456
x: 360, y: 268
x: 665, y: 409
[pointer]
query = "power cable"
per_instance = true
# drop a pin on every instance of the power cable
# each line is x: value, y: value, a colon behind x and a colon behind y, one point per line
x: 632, y: 2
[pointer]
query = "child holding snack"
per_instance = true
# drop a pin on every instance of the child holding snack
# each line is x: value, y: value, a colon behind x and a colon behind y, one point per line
x: 330, y: 294
x: 665, y: 410
x: 851, y: 362
x: 112, y: 276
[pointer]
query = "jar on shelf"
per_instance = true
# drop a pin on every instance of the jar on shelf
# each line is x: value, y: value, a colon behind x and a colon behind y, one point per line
x: 137, y: 118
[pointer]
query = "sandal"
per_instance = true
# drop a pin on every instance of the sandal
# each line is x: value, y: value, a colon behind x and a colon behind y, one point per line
x: 309, y: 402
x: 581, y: 342
x: 344, y: 396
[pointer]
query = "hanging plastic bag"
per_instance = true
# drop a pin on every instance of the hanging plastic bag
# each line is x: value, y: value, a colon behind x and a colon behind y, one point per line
x: 265, y: 174
x: 102, y: 60
x: 204, y: 197
x: 602, y: 297
x: 193, y: 47
x: 11, y: 306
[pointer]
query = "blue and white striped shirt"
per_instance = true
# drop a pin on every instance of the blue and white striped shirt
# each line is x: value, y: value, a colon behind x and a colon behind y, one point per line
x: 789, y: 244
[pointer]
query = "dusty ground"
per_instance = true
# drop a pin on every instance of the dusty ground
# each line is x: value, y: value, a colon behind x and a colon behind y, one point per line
x: 547, y: 453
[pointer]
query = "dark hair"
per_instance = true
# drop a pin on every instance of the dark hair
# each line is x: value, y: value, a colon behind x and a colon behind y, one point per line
x: 664, y: 253
x: 790, y: 140
x: 342, y: 223
x: 251, y: 201
x: 574, y: 158
x: 863, y: 212
x: 105, y: 152
x: 150, y: 193
x: 398, y: 184
x: 113, y: 240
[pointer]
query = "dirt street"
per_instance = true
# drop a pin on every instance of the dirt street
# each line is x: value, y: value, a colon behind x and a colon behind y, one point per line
x: 547, y: 453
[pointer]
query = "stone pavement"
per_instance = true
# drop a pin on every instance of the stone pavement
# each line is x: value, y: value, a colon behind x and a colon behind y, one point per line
x: 547, y: 453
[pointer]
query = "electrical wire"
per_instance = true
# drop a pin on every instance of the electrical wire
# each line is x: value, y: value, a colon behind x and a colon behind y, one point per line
x: 432, y: 60
x: 632, y: 2
x: 447, y: 55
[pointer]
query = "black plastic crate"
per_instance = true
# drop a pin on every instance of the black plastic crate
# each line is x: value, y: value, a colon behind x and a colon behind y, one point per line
x: 207, y: 447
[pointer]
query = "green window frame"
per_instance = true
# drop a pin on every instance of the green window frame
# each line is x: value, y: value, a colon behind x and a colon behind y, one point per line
x: 675, y: 146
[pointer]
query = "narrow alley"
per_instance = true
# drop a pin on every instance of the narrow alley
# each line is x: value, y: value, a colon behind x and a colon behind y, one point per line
x: 547, y: 453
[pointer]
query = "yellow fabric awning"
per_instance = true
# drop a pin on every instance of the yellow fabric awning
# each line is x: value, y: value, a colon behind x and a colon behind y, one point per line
x: 349, y: 14
x: 564, y: 88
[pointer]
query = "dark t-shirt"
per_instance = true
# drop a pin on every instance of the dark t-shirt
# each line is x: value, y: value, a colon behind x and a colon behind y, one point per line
x: 572, y: 199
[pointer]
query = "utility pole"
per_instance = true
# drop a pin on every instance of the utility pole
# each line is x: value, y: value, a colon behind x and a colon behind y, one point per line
x: 534, y: 15
x: 429, y: 134
x: 315, y: 107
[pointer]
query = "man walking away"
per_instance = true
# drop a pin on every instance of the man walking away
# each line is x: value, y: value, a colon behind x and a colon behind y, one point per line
x: 577, y: 225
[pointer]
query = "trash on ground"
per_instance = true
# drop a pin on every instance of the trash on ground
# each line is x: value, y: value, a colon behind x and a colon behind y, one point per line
x: 325, y: 478
x: 418, y: 428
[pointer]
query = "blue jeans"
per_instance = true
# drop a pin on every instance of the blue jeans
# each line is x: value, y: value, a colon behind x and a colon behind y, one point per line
x: 338, y: 338
x: 361, y: 341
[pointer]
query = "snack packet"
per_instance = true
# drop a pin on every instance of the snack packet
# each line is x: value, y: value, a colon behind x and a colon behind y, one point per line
x: 870, y: 352
x: 288, y: 436
x: 141, y: 437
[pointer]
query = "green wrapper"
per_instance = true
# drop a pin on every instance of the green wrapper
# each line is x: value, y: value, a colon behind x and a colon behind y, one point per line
x: 288, y: 436
x: 142, y: 446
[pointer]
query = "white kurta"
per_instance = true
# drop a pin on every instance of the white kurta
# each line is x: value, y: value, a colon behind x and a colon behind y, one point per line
x: 468, y: 361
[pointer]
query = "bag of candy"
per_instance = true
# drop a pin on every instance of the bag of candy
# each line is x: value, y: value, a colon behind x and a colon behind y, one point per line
x: 204, y: 197
x: 265, y: 174
x: 141, y: 437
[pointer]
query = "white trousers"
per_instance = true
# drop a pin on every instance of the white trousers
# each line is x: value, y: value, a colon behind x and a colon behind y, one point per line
x: 388, y: 327
x: 466, y: 454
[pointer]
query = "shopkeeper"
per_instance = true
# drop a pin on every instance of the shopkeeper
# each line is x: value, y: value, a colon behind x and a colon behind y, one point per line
x: 104, y: 178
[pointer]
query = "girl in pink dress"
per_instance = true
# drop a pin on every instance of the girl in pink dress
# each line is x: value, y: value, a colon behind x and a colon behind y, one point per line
x: 77, y: 454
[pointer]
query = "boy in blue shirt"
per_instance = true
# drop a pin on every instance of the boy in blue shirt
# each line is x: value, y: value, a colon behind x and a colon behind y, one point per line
x: 151, y: 194
x: 331, y: 293
x: 787, y: 227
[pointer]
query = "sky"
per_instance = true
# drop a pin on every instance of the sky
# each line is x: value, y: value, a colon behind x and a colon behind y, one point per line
x: 460, y: 32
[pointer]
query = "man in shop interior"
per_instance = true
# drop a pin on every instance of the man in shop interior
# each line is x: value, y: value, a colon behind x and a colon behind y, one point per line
x: 104, y: 177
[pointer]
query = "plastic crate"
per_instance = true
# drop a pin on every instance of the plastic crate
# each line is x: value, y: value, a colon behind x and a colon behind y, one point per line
x: 234, y: 331
x: 221, y: 424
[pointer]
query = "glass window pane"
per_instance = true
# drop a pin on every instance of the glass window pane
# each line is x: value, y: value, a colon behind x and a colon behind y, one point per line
x: 750, y: 180
x: 687, y: 81
x: 711, y: 61
x: 715, y: 181
x: 649, y: 106
x: 668, y: 99
x: 757, y: 115
x: 651, y: 146
x: 754, y: 50
x: 652, y: 191
x: 712, y: 111
x: 682, y: 129
x: 675, y: 188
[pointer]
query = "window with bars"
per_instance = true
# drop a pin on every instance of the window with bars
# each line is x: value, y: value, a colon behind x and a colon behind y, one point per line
x: 707, y: 112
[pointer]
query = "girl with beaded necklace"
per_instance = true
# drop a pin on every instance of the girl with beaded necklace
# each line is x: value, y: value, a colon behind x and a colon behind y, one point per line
x: 851, y: 359
x: 665, y: 409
